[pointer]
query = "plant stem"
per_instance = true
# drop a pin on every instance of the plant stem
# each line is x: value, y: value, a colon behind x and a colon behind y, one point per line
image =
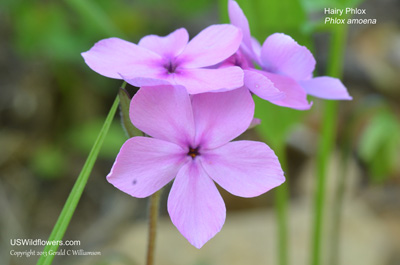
x: 153, y: 217
x: 326, y: 142
x: 282, y: 205
x: 70, y: 205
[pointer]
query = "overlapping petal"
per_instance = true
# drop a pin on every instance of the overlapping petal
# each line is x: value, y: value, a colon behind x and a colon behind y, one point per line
x: 295, y: 95
x: 326, y: 87
x: 260, y: 85
x: 167, y: 46
x: 144, y: 165
x: 195, y: 206
x: 244, y: 168
x: 151, y: 79
x: 280, y: 54
x: 204, y: 80
x: 113, y: 57
x: 238, y: 19
x: 211, y: 46
x: 163, y: 112
x: 221, y: 117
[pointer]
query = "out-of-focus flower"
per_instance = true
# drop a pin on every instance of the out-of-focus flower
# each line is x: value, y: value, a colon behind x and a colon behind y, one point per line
x: 171, y: 59
x: 191, y: 144
x: 286, y: 66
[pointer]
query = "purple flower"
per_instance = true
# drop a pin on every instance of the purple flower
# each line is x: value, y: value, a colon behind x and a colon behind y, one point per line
x: 171, y: 59
x: 191, y: 144
x: 286, y: 67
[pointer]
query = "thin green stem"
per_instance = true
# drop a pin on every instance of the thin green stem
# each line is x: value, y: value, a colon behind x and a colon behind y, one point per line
x: 153, y: 217
x: 70, y: 205
x: 338, y: 206
x: 326, y: 143
x: 281, y: 206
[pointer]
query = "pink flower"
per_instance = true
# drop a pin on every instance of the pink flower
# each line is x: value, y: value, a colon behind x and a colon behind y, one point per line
x: 171, y: 59
x: 286, y: 67
x: 191, y: 144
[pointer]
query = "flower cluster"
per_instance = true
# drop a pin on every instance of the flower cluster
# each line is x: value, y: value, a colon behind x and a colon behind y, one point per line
x: 194, y: 98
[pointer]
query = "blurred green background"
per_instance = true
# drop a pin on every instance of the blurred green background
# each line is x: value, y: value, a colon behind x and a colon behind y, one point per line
x: 52, y: 106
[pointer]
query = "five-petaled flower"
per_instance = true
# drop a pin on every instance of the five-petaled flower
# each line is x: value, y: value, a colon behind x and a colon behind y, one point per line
x: 171, y: 59
x: 286, y: 67
x: 191, y: 142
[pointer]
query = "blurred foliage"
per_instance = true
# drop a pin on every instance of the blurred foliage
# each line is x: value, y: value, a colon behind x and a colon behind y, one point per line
x: 318, y: 5
x: 82, y: 137
x: 49, y: 162
x: 379, y: 145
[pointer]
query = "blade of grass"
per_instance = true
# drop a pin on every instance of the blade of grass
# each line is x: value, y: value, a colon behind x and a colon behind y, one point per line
x: 70, y: 205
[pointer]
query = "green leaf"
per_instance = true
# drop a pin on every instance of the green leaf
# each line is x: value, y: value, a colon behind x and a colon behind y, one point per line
x: 70, y: 205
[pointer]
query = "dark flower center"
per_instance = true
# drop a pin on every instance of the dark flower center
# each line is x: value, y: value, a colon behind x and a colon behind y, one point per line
x: 193, y: 152
x: 171, y: 67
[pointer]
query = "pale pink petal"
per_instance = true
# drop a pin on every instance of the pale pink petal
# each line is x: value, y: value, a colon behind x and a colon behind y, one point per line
x: 238, y: 19
x: 221, y: 117
x: 205, y: 80
x: 211, y: 46
x: 326, y: 87
x: 195, y: 206
x: 154, y: 78
x: 244, y: 168
x: 254, y: 123
x: 163, y: 112
x: 113, y: 57
x: 280, y: 54
x: 256, y: 47
x: 260, y: 85
x: 144, y: 165
x: 238, y: 59
x: 295, y: 95
x: 169, y: 46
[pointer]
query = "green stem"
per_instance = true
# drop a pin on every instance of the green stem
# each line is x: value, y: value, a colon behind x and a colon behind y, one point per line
x: 153, y: 217
x: 326, y: 143
x: 338, y: 206
x: 70, y: 205
x: 281, y: 206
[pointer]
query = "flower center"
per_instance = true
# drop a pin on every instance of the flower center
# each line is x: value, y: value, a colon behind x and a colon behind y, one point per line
x: 171, y: 67
x: 193, y: 152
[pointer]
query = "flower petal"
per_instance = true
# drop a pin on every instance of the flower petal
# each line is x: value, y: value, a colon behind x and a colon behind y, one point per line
x: 211, y: 46
x: 221, y: 117
x: 112, y: 57
x: 169, y: 46
x: 238, y: 19
x: 256, y: 48
x: 195, y: 206
x: 244, y: 168
x: 295, y: 95
x: 280, y: 54
x: 260, y: 85
x: 326, y: 87
x: 144, y: 165
x: 206, y: 80
x: 163, y: 112
x: 152, y: 78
